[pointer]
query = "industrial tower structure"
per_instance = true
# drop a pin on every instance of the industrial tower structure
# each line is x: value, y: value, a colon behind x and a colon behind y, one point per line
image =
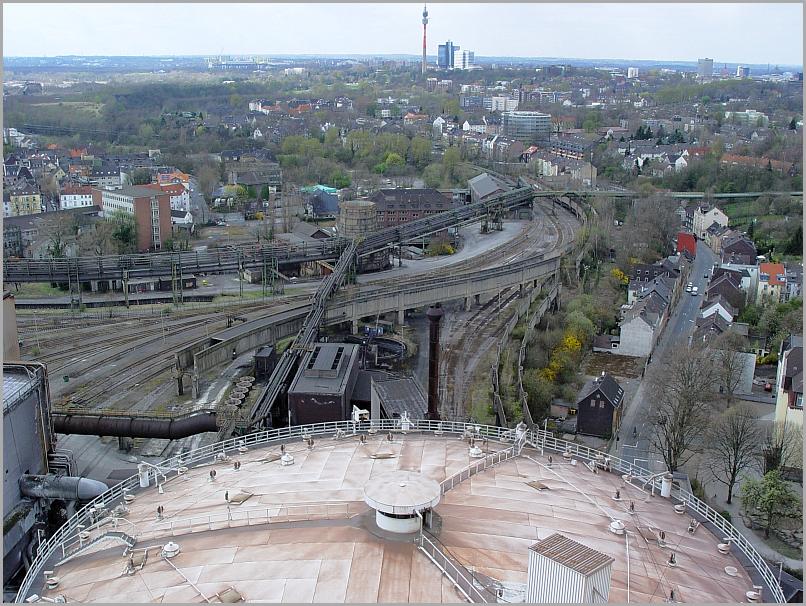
x: 425, y: 23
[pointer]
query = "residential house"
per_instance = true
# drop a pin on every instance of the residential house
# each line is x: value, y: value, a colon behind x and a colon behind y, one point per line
x: 714, y: 235
x: 794, y: 281
x: 719, y: 305
x: 599, y: 407
x: 181, y: 218
x: 662, y: 284
x: 727, y: 286
x: 23, y: 200
x: 789, y: 386
x: 771, y: 283
x: 75, y: 196
x: 642, y: 325
x: 179, y: 196
x: 12, y: 240
x: 686, y: 242
x: 705, y: 216
x: 737, y: 248
x: 708, y: 328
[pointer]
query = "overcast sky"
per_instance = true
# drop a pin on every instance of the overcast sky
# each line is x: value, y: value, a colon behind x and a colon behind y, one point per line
x: 733, y: 33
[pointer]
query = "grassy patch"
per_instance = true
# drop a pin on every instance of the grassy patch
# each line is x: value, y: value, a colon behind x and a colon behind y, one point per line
x: 34, y: 290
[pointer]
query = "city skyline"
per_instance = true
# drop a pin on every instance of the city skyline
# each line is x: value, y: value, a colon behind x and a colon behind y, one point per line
x: 730, y: 33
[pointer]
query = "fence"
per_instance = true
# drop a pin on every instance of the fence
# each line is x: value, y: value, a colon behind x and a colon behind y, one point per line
x: 538, y: 439
x: 487, y: 462
x: 460, y: 577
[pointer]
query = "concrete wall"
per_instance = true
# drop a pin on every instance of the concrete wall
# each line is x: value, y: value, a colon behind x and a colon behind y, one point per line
x: 11, y: 346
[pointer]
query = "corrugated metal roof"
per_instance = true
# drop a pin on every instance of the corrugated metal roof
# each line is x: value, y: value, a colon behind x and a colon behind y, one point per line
x: 575, y: 556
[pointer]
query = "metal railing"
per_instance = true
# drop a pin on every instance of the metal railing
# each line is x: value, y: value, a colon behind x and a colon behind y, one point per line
x: 461, y: 579
x: 546, y: 441
x: 538, y: 439
x: 489, y: 461
x: 236, y: 517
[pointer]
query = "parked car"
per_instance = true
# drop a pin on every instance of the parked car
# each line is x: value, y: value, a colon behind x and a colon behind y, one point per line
x: 694, y: 291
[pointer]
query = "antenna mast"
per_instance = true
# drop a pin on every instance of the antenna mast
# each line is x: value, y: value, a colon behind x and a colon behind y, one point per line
x: 425, y: 23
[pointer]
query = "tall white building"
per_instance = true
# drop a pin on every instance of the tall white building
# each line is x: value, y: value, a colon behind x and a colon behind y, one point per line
x: 632, y: 72
x: 464, y: 60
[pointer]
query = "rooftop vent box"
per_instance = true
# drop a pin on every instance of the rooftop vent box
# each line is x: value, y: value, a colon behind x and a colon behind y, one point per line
x: 564, y: 571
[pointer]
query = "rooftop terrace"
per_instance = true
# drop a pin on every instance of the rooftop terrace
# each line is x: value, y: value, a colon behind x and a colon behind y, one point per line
x: 302, y: 532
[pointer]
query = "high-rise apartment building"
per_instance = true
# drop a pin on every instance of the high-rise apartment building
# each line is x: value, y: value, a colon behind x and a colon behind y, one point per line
x: 632, y: 72
x: 526, y: 126
x: 464, y: 60
x: 705, y: 68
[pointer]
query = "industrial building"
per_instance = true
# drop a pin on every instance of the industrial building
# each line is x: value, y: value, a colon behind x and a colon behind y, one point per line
x: 40, y: 486
x: 525, y: 126
x: 323, y: 387
x: 400, y: 205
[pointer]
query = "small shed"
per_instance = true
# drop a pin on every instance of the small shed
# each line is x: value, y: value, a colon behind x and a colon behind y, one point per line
x: 564, y: 571
x: 265, y: 361
x: 599, y: 407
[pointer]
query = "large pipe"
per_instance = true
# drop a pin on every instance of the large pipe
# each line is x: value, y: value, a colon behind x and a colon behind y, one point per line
x: 434, y: 315
x: 61, y: 487
x: 133, y: 427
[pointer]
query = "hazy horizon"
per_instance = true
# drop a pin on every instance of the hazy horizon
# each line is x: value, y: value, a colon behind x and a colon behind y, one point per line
x: 729, y: 33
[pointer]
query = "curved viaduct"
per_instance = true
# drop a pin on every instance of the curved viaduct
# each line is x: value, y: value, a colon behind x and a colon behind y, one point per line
x: 350, y: 305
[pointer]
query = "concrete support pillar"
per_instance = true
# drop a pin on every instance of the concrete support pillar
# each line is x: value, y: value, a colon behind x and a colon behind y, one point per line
x: 180, y: 387
x: 93, y: 285
x: 194, y: 385
x: 468, y: 303
x: 354, y: 327
x: 401, y: 317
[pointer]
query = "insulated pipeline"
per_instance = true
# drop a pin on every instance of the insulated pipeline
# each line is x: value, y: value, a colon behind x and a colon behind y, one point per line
x: 134, y: 427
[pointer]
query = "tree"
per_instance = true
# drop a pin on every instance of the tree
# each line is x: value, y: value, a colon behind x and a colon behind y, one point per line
x: 793, y: 123
x: 208, y: 176
x: 141, y: 176
x: 728, y: 359
x: 683, y: 409
x: 450, y: 160
x: 432, y: 175
x: 733, y: 443
x: 420, y: 152
x: 124, y: 233
x: 772, y: 499
x: 782, y: 446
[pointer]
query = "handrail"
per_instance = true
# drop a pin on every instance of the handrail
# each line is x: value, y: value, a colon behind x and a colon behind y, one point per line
x: 451, y: 570
x: 537, y: 438
x: 249, y: 514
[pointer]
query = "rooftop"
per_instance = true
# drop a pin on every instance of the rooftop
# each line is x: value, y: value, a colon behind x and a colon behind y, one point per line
x: 303, y: 533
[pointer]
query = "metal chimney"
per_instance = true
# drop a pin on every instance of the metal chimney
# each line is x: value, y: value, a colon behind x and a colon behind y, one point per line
x: 434, y: 315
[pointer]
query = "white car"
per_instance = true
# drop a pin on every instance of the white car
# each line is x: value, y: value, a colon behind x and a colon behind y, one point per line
x: 689, y: 286
x: 695, y: 291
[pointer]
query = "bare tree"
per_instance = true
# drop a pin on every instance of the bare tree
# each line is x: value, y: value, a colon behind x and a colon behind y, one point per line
x: 782, y: 447
x: 733, y: 443
x: 684, y: 392
x: 729, y: 363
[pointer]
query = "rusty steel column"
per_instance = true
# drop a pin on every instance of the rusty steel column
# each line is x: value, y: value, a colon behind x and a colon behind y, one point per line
x: 434, y: 315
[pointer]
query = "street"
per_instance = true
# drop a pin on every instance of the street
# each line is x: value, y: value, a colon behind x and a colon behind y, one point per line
x: 676, y: 334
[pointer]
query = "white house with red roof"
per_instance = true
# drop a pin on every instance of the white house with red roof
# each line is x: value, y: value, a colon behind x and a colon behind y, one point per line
x: 771, y: 282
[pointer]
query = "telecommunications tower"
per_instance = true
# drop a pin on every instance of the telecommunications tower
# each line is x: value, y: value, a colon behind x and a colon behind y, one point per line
x: 425, y: 23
